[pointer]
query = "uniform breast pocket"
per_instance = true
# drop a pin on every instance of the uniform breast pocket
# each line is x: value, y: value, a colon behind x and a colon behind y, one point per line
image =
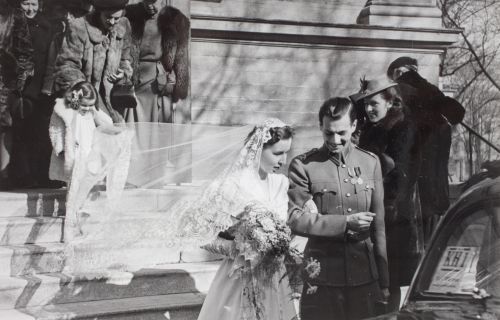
x: 364, y: 192
x: 325, y: 196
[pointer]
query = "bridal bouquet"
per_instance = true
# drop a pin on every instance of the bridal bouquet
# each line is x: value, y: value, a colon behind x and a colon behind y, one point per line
x: 260, y: 246
x: 261, y: 240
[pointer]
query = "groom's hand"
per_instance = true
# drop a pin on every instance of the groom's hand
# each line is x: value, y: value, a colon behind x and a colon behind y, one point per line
x: 360, y: 221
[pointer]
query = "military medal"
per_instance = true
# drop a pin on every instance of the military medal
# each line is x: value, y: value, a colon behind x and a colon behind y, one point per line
x: 352, y: 174
x: 359, y: 180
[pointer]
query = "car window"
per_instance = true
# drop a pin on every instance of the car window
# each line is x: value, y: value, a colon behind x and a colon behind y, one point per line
x: 471, y: 257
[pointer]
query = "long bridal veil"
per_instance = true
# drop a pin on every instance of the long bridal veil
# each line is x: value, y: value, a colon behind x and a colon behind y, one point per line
x: 152, y: 190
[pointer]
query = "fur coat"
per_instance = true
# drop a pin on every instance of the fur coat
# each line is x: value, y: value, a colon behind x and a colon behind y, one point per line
x: 393, y: 140
x: 174, y: 28
x: 63, y: 139
x: 87, y: 53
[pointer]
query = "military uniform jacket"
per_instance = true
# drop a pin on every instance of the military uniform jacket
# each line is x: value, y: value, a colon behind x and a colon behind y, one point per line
x: 340, y: 187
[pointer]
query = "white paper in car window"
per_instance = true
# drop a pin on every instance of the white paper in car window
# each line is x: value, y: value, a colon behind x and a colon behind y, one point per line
x: 456, y: 272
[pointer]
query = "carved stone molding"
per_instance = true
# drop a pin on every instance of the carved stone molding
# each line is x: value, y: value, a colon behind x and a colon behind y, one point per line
x: 398, y: 13
x: 239, y: 29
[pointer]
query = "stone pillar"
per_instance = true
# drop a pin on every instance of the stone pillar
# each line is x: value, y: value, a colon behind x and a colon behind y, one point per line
x: 401, y: 13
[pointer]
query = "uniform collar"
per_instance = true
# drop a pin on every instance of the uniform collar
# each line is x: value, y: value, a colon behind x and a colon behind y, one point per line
x: 344, y: 154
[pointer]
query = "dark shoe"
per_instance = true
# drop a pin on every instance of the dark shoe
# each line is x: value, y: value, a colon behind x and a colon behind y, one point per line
x: 52, y: 184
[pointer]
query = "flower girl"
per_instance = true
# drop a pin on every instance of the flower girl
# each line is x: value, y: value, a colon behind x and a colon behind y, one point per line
x: 72, y: 126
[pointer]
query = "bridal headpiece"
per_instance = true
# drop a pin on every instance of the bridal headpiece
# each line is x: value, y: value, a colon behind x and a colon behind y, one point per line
x: 250, y: 155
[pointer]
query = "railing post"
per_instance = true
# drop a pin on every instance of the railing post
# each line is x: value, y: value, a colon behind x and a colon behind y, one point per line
x: 471, y: 161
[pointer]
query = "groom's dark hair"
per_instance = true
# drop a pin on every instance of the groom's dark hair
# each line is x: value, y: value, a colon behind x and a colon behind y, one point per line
x: 336, y: 108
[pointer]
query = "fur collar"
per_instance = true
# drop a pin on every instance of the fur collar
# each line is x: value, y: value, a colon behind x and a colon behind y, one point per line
x: 65, y: 113
x: 96, y: 35
x: 394, y: 116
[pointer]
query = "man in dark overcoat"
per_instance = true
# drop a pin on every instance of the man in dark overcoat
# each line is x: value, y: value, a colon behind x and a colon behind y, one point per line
x: 347, y: 233
x: 433, y: 114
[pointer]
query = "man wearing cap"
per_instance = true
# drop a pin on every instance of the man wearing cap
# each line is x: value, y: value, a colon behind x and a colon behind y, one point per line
x: 433, y: 113
x: 96, y: 48
x: 346, y: 233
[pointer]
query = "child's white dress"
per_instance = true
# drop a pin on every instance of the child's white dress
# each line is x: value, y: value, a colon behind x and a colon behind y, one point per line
x: 71, y: 134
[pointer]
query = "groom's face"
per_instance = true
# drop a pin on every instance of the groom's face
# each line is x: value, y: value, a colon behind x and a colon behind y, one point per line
x: 336, y: 133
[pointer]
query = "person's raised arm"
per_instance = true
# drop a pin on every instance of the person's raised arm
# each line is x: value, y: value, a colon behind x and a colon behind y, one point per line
x: 309, y: 223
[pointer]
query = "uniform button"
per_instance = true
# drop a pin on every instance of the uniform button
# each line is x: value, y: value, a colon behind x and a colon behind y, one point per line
x: 325, y: 190
x: 343, y: 166
x: 346, y: 180
x: 349, y: 210
x: 348, y: 194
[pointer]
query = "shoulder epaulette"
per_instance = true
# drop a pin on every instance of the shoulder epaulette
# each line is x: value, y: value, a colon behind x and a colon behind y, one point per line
x: 304, y: 156
x: 367, y: 152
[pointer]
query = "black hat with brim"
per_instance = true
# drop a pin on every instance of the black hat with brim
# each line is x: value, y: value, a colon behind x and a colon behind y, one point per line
x: 110, y: 4
x: 369, y: 88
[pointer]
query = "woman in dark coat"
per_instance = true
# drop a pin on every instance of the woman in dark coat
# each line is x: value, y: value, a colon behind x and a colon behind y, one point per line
x: 390, y: 135
x: 31, y: 148
x: 16, y: 66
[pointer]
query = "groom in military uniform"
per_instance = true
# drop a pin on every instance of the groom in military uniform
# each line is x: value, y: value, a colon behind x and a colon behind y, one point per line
x: 346, y: 234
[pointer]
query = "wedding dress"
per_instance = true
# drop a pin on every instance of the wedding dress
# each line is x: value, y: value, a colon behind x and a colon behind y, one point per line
x: 224, y: 179
x: 235, y: 296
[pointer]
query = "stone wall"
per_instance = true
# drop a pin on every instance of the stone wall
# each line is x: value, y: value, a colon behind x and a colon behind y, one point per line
x: 254, y: 59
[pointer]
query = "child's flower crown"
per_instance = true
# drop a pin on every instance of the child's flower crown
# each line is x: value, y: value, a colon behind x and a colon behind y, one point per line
x: 75, y: 99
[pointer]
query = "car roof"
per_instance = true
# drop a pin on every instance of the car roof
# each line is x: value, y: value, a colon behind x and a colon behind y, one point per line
x: 485, y: 190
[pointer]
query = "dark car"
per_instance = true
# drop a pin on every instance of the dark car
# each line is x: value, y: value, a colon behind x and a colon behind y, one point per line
x: 459, y: 276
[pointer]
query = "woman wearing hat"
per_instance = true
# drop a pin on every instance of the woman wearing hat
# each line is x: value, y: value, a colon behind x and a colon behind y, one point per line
x: 389, y: 133
x: 96, y: 48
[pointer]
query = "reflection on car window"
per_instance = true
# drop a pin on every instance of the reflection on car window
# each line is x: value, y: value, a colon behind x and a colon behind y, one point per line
x: 471, y: 258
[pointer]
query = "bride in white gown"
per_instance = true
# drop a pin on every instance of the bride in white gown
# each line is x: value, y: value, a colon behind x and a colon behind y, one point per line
x: 183, y: 217
x: 234, y: 296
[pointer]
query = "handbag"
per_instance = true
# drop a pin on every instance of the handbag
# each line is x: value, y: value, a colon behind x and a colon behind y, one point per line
x: 122, y: 96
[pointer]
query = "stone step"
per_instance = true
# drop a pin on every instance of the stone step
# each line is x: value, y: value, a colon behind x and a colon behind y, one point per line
x: 28, y: 230
x: 182, y: 306
x: 33, y: 230
x: 29, y: 259
x: 51, y: 203
x: 60, y: 288
x: 33, y: 203
x: 19, y: 260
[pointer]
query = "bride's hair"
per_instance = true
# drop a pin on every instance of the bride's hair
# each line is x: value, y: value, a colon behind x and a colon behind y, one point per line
x: 277, y: 134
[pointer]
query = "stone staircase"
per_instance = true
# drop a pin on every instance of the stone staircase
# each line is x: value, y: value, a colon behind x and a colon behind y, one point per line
x: 33, y: 284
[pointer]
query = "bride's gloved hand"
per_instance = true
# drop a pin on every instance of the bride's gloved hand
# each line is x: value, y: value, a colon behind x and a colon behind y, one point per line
x: 221, y: 246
